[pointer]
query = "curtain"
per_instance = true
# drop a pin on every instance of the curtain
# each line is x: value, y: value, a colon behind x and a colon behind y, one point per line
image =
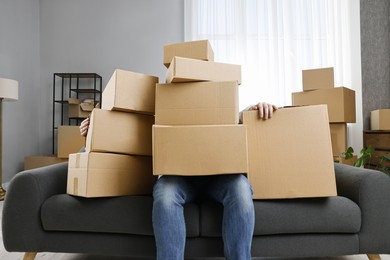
x: 274, y: 40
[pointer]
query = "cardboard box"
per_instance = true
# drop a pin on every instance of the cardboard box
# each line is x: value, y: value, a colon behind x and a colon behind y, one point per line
x: 290, y: 155
x: 130, y: 91
x: 349, y: 161
x: 199, y: 150
x: 79, y: 109
x: 200, y: 50
x: 189, y: 70
x: 380, y: 119
x: 340, y: 101
x: 120, y: 132
x: 318, y: 79
x: 107, y: 174
x: 338, y: 134
x: 198, y: 103
x: 32, y: 162
x: 69, y: 140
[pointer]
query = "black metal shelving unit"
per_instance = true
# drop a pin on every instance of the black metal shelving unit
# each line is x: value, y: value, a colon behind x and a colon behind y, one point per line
x: 70, y: 85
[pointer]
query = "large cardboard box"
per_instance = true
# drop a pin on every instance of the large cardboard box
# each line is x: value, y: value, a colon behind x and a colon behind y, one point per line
x: 318, y: 79
x: 340, y: 101
x: 338, y: 134
x: 79, y: 109
x: 69, y: 140
x: 380, y: 119
x: 197, y: 103
x: 107, y: 174
x: 290, y: 155
x: 200, y: 50
x: 37, y: 161
x: 199, y: 150
x: 120, y: 132
x: 130, y: 91
x: 187, y: 70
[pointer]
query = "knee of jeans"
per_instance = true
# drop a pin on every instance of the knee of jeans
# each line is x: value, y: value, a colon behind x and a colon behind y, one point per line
x: 167, y: 192
x: 241, y: 193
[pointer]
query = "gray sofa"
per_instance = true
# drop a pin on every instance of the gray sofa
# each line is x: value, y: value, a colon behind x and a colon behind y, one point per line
x: 38, y: 216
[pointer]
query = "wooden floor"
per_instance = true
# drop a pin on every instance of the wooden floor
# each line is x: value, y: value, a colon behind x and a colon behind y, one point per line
x: 4, y: 255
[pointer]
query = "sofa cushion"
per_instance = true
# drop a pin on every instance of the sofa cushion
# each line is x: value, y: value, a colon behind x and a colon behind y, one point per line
x: 113, y: 215
x: 291, y: 216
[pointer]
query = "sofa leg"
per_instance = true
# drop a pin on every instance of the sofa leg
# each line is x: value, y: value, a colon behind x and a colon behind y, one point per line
x: 29, y: 256
x: 373, y: 257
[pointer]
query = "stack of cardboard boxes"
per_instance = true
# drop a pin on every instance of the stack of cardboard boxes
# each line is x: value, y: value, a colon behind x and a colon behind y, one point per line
x: 319, y: 88
x: 118, y: 153
x: 197, y: 130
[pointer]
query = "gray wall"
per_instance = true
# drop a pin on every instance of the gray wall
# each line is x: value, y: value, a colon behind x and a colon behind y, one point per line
x: 375, y: 49
x: 103, y: 35
x: 50, y: 36
x: 19, y: 60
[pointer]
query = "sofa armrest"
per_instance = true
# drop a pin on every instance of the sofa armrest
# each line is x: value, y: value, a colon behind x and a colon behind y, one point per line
x: 21, y: 220
x: 370, y: 189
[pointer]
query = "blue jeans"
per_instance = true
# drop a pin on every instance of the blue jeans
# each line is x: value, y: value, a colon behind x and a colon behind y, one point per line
x: 233, y: 191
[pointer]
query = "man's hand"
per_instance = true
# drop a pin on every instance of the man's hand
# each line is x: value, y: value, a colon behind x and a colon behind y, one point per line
x: 265, y: 110
x: 84, y: 127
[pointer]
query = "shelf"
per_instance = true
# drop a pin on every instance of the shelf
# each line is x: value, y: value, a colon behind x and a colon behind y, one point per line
x: 70, y: 86
x: 85, y: 90
x: 78, y: 75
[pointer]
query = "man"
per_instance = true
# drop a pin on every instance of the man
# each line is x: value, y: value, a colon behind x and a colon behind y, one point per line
x: 233, y: 191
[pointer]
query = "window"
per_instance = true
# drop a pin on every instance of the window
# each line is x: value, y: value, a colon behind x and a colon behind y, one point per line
x: 274, y: 40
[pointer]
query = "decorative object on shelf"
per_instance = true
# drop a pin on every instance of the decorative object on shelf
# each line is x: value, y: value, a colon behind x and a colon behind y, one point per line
x: 8, y: 92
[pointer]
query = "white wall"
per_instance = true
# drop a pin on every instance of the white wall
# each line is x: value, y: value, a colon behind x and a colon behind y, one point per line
x: 19, y: 60
x: 42, y: 37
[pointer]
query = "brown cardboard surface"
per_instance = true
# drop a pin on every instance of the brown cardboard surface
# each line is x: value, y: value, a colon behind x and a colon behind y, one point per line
x: 340, y: 101
x: 197, y: 103
x: 79, y: 109
x: 322, y: 78
x: 338, y: 134
x: 130, y: 91
x: 189, y: 70
x: 69, y: 140
x: 107, y: 174
x: 199, y: 150
x: 290, y: 155
x: 37, y: 161
x: 349, y: 161
x: 200, y: 50
x: 120, y: 132
x: 380, y: 119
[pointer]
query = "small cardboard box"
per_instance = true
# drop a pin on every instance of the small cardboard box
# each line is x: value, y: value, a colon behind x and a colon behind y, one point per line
x: 350, y: 161
x: 189, y: 70
x: 200, y: 50
x: 120, y: 132
x: 380, y: 119
x: 199, y: 150
x: 198, y: 103
x: 79, y: 109
x: 340, y: 101
x: 107, y: 174
x: 290, y: 155
x: 338, y: 134
x: 69, y: 140
x: 131, y: 92
x: 318, y: 79
x: 37, y: 161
